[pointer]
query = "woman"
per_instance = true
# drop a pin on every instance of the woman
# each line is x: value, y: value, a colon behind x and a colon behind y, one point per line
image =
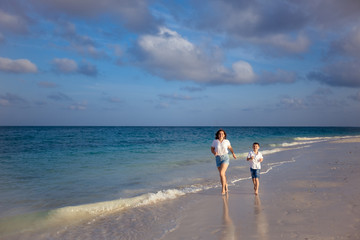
x: 219, y: 148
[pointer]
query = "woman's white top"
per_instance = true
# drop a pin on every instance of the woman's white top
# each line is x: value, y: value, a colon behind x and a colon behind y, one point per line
x: 255, y: 164
x: 221, y: 147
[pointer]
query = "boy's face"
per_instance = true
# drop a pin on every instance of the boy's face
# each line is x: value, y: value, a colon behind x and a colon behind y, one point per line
x: 256, y: 147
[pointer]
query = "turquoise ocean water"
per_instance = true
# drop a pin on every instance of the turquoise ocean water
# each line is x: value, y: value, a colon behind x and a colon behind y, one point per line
x: 70, y: 172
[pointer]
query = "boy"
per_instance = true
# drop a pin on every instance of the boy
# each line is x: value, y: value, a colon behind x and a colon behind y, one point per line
x: 255, y: 158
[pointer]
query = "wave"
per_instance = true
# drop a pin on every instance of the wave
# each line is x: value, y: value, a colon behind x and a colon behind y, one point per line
x: 270, y: 167
x: 240, y: 156
x: 325, y: 138
x: 298, y: 141
x: 64, y: 216
x: 276, y: 164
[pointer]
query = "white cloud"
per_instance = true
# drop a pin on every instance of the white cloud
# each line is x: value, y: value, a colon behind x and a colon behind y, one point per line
x: 65, y: 65
x: 349, y: 45
x: 169, y: 55
x: 17, y: 66
x: 290, y: 45
x: 243, y: 72
x: 69, y: 66
x: 12, y: 23
x: 81, y: 44
x: 342, y: 73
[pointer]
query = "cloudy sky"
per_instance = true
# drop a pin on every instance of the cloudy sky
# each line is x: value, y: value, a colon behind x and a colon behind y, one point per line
x: 199, y: 63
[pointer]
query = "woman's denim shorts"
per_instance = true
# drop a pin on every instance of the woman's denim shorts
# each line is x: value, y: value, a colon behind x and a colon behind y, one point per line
x: 255, y: 173
x: 220, y: 159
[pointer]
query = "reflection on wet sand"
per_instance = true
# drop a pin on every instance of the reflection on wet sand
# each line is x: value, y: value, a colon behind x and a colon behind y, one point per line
x: 228, y: 232
x: 258, y: 228
x: 261, y: 222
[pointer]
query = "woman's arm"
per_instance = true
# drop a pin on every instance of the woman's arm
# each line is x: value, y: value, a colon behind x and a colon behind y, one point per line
x: 232, y: 151
x: 213, y: 150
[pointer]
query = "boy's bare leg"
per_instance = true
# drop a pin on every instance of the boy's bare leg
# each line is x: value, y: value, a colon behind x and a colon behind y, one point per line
x: 256, y: 186
x: 254, y: 182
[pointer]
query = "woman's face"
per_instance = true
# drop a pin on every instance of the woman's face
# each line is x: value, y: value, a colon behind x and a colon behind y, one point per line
x: 221, y: 135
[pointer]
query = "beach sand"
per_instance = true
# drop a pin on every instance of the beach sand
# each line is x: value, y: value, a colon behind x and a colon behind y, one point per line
x: 315, y: 195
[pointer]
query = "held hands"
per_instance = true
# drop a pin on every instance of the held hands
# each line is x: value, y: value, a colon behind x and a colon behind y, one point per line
x: 234, y: 156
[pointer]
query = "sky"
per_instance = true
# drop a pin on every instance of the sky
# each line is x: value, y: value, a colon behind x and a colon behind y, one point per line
x: 179, y: 63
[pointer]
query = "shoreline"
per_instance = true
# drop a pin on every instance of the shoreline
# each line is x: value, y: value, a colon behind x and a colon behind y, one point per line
x: 314, y: 196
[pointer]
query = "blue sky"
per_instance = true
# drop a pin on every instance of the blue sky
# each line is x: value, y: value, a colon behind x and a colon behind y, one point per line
x: 197, y: 63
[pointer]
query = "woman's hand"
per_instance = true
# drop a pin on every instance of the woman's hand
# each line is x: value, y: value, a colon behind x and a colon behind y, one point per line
x: 213, y: 151
x: 232, y: 151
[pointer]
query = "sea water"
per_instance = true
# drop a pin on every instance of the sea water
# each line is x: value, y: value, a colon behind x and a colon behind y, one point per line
x: 59, y: 176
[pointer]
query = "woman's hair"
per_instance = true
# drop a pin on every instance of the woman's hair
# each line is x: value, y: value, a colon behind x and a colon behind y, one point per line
x: 218, y: 133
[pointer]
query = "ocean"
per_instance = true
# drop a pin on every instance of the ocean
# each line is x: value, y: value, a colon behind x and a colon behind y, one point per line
x: 61, y: 176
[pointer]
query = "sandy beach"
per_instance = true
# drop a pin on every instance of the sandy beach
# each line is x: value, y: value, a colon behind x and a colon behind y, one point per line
x: 315, y: 197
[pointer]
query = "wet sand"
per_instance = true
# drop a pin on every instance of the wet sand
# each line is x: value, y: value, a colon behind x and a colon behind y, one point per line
x: 315, y: 197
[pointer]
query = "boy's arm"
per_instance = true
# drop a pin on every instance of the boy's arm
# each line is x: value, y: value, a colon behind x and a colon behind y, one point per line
x: 249, y: 157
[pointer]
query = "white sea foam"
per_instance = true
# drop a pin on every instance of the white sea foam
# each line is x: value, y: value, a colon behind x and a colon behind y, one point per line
x: 107, y: 207
x: 241, y: 156
x: 271, y: 166
x: 296, y: 143
x: 276, y: 164
x: 86, y: 212
x: 310, y: 140
x: 327, y: 138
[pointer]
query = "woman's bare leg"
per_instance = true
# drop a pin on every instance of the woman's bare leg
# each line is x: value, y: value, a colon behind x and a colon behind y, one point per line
x: 222, y: 170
